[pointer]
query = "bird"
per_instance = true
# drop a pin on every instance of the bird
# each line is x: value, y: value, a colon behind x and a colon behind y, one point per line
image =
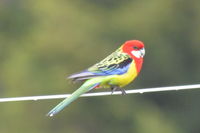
x: 114, y: 72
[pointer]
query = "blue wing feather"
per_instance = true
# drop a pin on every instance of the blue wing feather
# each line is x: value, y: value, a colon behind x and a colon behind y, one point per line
x: 115, y: 69
x: 115, y: 64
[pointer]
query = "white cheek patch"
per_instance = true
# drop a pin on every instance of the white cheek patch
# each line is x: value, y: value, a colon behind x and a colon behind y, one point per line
x: 137, y: 54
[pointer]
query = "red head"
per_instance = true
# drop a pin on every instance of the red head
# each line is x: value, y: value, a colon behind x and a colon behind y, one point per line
x: 135, y: 49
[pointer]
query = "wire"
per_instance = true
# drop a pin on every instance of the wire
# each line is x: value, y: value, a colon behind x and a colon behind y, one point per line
x: 157, y: 89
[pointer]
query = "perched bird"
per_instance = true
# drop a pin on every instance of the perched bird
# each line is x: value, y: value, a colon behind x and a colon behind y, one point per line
x: 114, y: 72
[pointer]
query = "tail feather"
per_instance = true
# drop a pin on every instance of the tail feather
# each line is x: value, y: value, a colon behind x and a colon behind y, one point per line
x: 81, y: 74
x: 70, y: 99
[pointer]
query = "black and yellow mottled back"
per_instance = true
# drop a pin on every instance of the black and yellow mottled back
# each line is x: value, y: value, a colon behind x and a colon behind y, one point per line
x: 115, y: 64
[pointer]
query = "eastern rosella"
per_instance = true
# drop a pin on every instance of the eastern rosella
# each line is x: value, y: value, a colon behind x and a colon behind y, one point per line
x: 115, y: 71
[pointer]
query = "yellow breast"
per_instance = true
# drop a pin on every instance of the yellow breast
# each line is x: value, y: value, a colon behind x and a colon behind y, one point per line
x: 119, y: 80
x: 129, y: 76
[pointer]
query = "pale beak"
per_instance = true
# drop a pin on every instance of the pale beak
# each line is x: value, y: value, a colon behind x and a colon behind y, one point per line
x: 142, y: 51
x: 139, y: 53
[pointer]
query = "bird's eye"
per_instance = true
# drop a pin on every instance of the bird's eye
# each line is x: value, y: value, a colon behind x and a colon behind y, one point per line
x: 136, y: 48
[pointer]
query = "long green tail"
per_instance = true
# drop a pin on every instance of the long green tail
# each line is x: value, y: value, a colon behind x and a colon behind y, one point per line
x: 84, y: 88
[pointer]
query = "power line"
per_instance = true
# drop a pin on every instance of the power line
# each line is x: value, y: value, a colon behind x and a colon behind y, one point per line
x: 145, y: 90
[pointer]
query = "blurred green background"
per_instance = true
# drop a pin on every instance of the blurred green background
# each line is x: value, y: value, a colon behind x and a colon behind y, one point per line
x: 43, y: 41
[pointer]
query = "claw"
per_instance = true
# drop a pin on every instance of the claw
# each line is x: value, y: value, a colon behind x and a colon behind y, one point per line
x: 113, y: 89
x: 123, y: 91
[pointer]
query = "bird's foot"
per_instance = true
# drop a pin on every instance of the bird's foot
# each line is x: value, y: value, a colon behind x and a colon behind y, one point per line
x: 114, y: 88
x: 123, y: 91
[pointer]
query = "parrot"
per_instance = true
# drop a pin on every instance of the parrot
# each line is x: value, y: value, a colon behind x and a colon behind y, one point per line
x: 114, y: 72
